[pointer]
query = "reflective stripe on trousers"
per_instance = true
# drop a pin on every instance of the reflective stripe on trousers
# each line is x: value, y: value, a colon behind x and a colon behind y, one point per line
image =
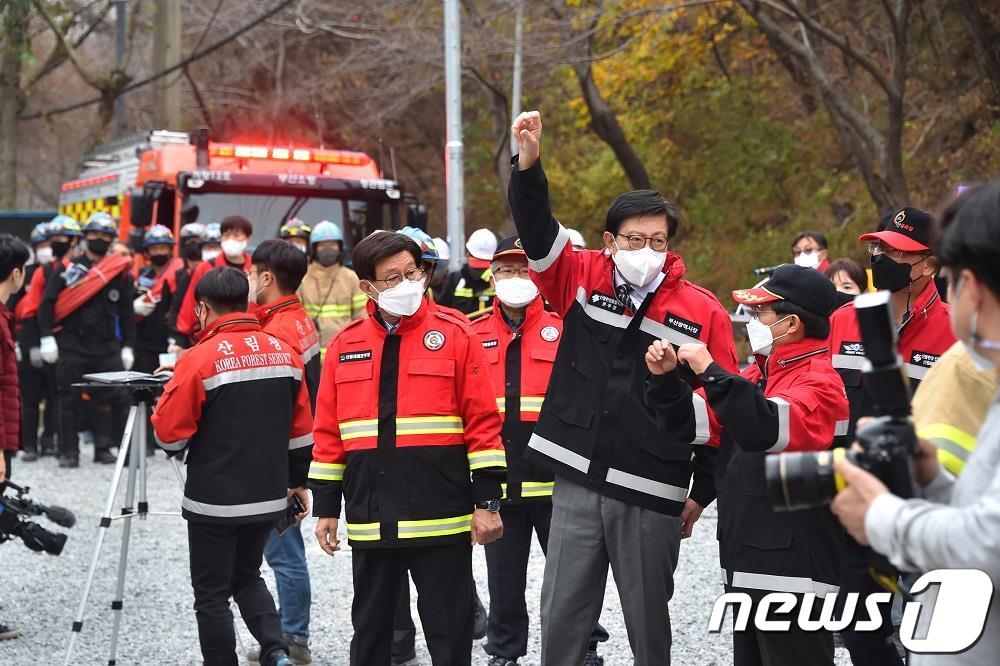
x: 772, y: 583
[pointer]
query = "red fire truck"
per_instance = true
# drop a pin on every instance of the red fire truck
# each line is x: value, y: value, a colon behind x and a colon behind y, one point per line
x: 168, y: 178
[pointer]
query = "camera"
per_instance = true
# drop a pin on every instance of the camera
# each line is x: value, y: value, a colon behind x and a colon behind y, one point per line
x: 801, y: 480
x: 16, y: 508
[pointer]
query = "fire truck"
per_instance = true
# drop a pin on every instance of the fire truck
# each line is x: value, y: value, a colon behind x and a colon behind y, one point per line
x: 171, y: 178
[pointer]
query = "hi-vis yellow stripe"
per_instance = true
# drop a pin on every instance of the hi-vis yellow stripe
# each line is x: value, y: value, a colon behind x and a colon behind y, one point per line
x: 528, y: 404
x: 490, y: 458
x: 329, y: 310
x: 405, y: 425
x: 326, y: 471
x: 359, y: 301
x: 412, y: 529
x: 532, y: 489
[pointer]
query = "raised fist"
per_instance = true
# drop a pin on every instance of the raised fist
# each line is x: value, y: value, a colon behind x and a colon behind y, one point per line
x: 527, y: 129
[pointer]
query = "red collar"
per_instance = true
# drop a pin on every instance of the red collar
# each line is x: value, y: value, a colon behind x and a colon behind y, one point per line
x: 791, y: 354
x: 234, y: 321
x: 405, y: 323
x: 532, y: 312
x: 222, y: 261
x: 267, y: 312
x: 928, y: 299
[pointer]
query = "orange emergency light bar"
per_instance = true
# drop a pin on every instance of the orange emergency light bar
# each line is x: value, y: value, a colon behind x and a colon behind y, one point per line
x: 241, y: 151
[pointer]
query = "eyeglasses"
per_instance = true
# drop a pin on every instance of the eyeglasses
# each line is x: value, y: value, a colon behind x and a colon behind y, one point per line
x: 638, y: 241
x: 413, y: 275
x: 510, y: 271
x: 875, y: 248
x: 756, y: 312
x: 808, y: 250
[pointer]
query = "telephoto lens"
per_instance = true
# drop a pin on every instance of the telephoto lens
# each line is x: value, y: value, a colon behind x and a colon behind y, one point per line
x: 804, y: 479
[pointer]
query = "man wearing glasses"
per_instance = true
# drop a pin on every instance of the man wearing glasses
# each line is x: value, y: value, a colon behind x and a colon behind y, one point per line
x: 407, y: 437
x: 621, y: 496
x: 902, y: 263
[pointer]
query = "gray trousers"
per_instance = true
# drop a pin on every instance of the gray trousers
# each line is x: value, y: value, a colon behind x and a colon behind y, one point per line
x: 588, y: 532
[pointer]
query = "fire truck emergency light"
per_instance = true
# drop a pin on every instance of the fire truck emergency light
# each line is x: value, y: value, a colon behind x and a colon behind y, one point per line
x: 240, y: 151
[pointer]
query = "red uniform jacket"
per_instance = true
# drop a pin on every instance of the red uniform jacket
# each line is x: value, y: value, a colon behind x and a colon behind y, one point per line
x: 10, y: 394
x: 791, y: 401
x: 286, y: 319
x: 520, y: 367
x: 238, y: 402
x: 402, y: 423
x: 187, y: 322
x: 923, y: 337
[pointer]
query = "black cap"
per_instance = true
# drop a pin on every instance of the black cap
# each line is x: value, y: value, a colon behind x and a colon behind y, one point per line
x: 908, y: 229
x: 807, y: 288
x: 507, y: 246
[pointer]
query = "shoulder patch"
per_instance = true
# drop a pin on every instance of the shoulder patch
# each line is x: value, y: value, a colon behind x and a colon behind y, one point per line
x: 549, y: 333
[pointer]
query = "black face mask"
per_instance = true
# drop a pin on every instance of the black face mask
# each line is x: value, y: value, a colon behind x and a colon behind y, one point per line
x: 844, y: 298
x: 328, y: 256
x: 59, y: 249
x: 98, y: 246
x: 889, y: 274
x: 159, y: 260
x: 191, y: 251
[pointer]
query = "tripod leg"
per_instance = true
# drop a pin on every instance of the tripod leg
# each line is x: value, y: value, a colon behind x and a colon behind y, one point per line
x: 102, y: 531
x: 141, y: 419
x: 138, y: 453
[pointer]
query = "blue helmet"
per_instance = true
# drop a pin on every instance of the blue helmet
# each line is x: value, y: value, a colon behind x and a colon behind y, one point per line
x: 428, y: 251
x: 64, y: 225
x: 325, y: 231
x: 157, y: 235
x: 192, y: 230
x: 101, y: 222
x: 212, y: 233
x: 40, y: 233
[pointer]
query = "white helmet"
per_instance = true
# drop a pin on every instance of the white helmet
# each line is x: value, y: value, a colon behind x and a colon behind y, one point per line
x: 576, y: 239
x: 444, y: 252
x: 482, y: 244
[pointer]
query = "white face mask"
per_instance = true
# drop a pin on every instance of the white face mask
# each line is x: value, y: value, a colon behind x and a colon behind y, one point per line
x: 981, y: 362
x: 403, y: 300
x: 209, y: 255
x: 43, y: 255
x: 761, y: 338
x: 808, y: 260
x: 516, y: 292
x: 233, y: 248
x: 639, y: 267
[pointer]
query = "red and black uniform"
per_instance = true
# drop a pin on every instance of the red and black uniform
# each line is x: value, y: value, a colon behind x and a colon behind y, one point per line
x: 408, y: 434
x: 792, y: 400
x: 90, y: 339
x: 237, y: 402
x: 187, y: 321
x: 38, y: 379
x: 595, y: 429
x: 923, y: 337
x: 286, y: 319
x: 153, y: 332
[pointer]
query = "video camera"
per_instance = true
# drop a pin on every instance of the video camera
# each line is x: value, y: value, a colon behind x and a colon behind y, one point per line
x: 801, y: 480
x: 16, y: 508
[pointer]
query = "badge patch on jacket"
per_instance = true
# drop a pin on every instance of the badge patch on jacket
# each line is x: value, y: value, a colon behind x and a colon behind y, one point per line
x: 852, y: 348
x: 434, y: 340
x: 923, y: 359
x: 549, y: 333
x: 682, y: 325
x: 606, y: 302
x: 350, y: 357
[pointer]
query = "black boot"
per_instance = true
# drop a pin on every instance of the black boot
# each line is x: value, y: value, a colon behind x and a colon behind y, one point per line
x: 47, y: 446
x: 69, y: 462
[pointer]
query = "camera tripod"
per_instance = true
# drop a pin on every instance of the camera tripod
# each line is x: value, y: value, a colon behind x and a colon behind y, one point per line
x: 133, y: 442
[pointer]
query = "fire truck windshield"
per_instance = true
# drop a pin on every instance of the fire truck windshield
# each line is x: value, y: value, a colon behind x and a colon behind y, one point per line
x: 267, y: 212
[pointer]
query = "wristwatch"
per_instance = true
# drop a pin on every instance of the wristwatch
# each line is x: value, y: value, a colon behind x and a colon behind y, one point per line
x: 493, y: 505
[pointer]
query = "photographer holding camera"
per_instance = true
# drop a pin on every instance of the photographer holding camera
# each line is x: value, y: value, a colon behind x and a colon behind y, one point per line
x: 957, y: 525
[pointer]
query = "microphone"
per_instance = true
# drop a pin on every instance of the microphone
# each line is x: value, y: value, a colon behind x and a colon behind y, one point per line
x: 766, y: 270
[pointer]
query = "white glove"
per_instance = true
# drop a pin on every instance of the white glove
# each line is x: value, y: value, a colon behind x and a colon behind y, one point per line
x: 128, y: 358
x: 48, y: 349
x: 17, y: 351
x: 35, y: 356
x: 142, y: 307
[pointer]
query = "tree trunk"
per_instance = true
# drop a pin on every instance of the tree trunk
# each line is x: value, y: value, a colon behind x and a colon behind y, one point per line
x: 15, y: 29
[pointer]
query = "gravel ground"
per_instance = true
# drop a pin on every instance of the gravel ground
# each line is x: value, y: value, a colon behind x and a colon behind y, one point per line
x: 40, y: 593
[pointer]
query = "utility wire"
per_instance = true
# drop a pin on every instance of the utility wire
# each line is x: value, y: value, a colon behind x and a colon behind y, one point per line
x: 179, y: 66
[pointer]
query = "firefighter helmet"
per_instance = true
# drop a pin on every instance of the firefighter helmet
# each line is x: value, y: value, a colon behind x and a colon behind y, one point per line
x: 64, y: 225
x: 102, y: 223
x: 212, y: 233
x: 295, y: 228
x: 157, y: 235
x: 325, y: 231
x: 428, y: 251
x: 40, y: 233
x: 192, y: 230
